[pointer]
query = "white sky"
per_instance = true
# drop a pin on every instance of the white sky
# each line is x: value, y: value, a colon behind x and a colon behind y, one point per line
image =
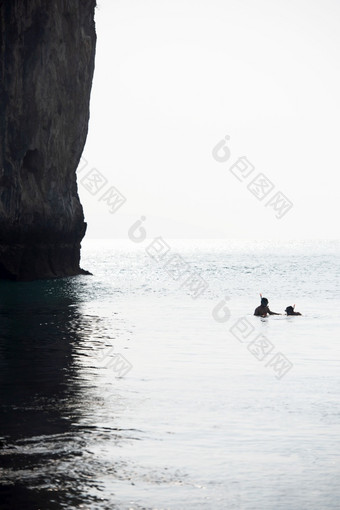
x: 174, y: 77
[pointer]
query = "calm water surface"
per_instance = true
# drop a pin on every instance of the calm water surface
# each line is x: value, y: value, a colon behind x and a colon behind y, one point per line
x: 122, y: 391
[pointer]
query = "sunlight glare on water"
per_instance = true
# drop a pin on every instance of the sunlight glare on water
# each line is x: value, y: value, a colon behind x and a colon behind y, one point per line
x: 120, y: 390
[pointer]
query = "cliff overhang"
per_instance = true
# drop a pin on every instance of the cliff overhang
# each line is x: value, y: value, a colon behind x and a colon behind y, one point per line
x: 47, y: 52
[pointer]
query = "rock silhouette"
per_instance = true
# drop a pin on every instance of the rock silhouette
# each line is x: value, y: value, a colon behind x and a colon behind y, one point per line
x: 47, y: 51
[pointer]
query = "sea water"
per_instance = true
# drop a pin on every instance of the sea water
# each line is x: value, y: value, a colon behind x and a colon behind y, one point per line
x: 151, y: 385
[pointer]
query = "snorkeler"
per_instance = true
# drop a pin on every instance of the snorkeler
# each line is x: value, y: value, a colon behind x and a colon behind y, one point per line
x: 290, y: 311
x: 263, y: 309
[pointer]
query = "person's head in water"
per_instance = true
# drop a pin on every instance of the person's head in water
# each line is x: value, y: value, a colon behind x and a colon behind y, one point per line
x: 290, y: 311
x: 264, y: 301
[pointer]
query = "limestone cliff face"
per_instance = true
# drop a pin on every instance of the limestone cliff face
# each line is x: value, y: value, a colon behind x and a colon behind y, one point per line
x: 47, y: 50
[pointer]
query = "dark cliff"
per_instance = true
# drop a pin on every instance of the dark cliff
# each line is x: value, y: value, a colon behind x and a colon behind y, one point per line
x: 47, y: 50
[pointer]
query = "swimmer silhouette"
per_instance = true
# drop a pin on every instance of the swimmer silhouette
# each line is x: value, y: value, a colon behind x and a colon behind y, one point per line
x: 290, y: 311
x: 263, y: 310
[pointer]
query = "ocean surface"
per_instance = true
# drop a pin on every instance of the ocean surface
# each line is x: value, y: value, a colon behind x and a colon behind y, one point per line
x: 151, y: 385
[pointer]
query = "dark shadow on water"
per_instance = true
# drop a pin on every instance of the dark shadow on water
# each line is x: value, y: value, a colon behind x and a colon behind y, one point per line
x: 42, y: 393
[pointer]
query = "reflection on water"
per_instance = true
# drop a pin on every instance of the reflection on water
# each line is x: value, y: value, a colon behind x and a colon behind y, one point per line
x: 199, y: 422
x: 44, y: 392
